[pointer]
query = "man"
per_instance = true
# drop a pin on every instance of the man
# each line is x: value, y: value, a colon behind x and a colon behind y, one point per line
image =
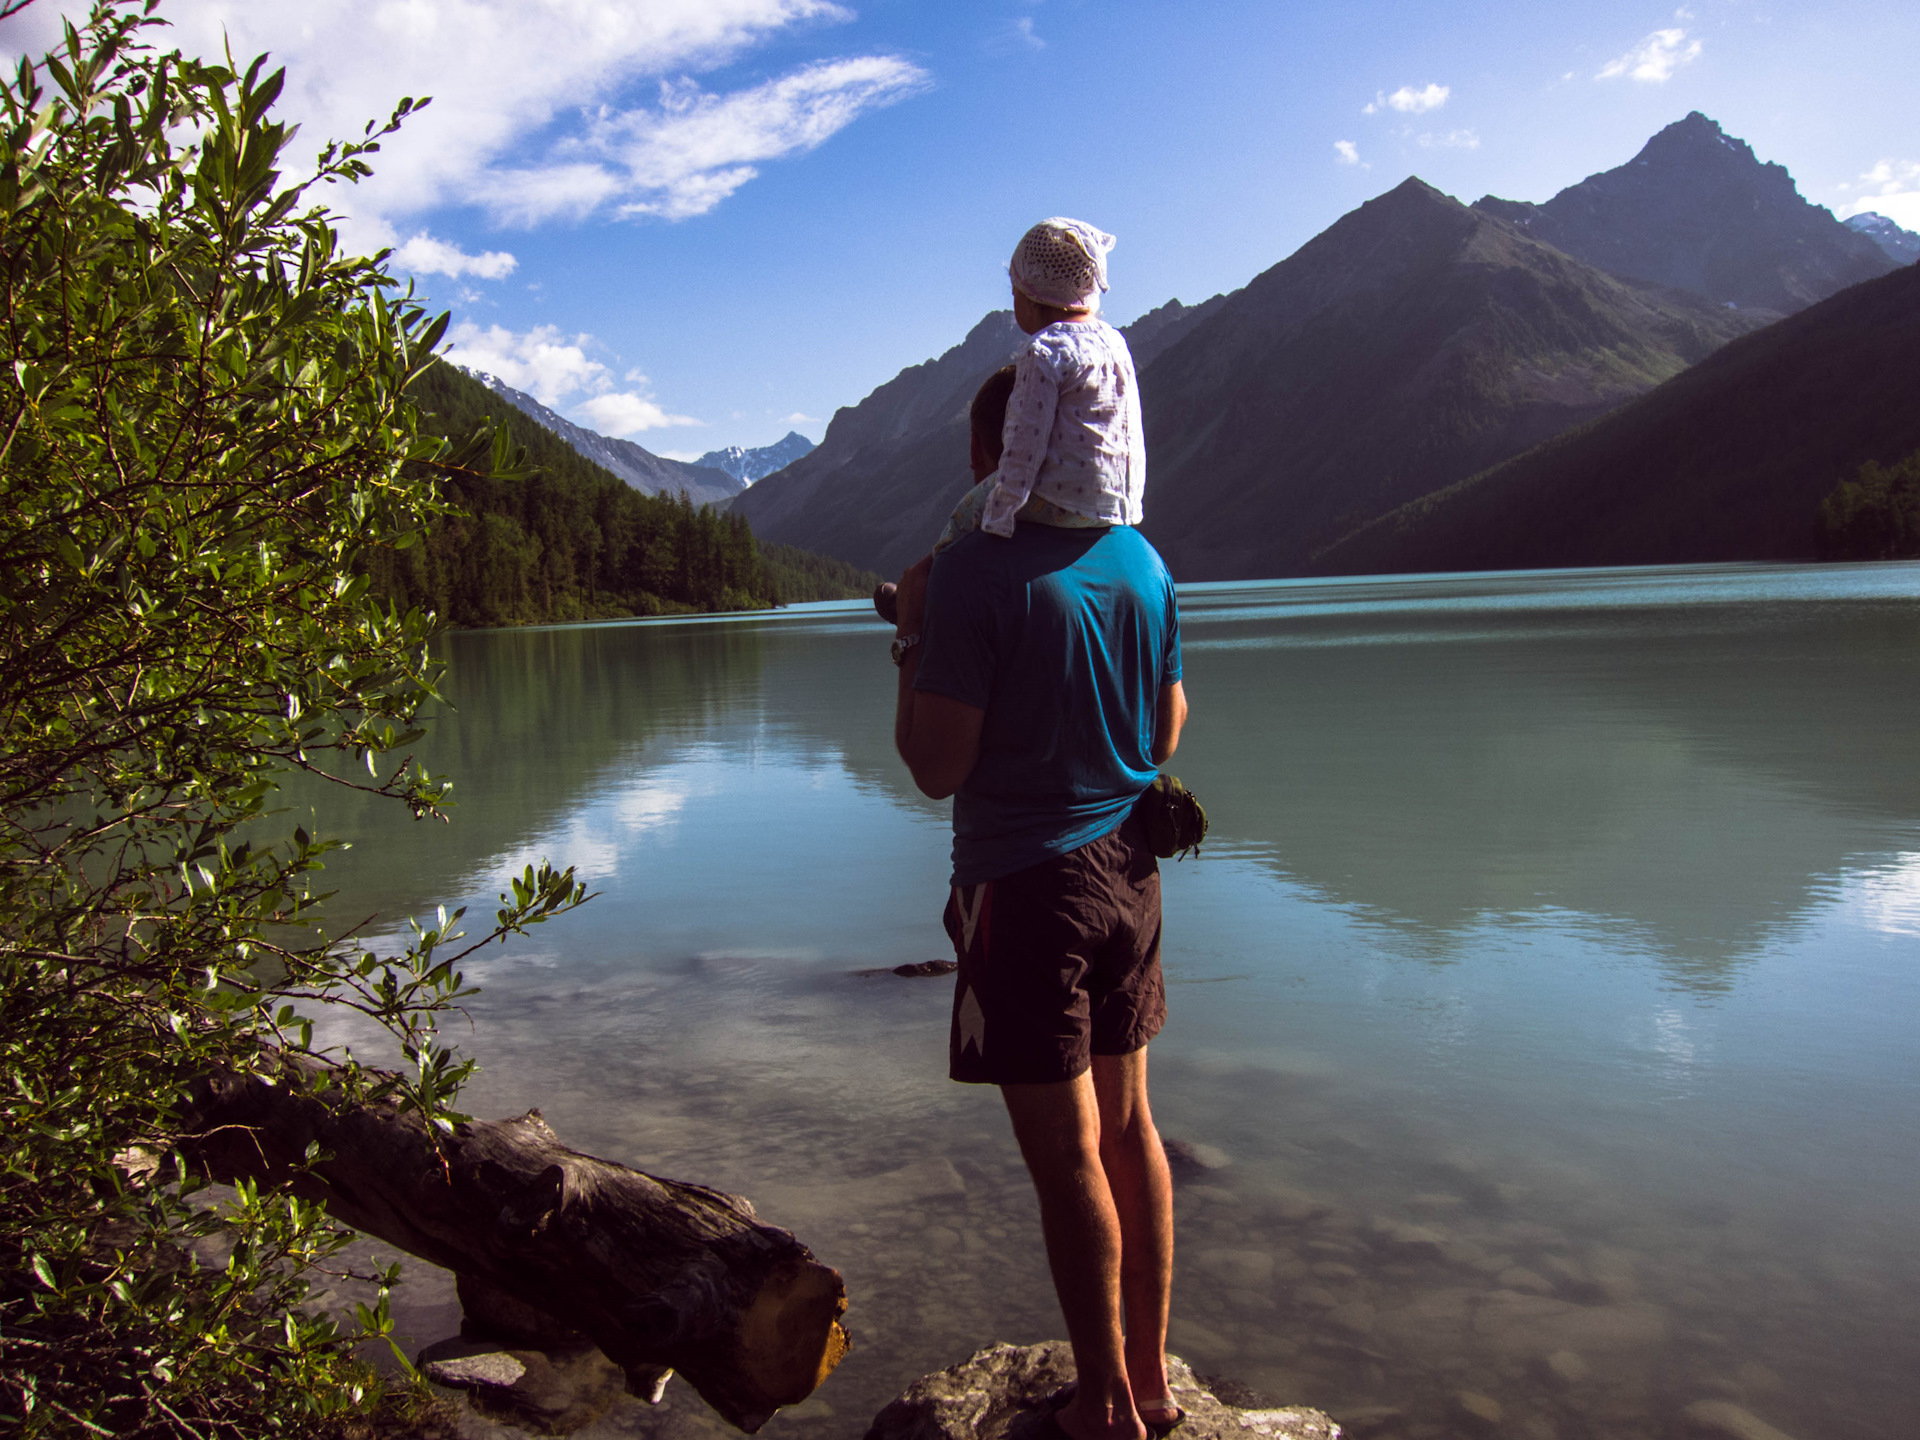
x: 1040, y: 687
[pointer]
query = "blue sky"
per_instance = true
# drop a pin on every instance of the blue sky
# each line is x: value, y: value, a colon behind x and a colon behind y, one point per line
x: 699, y: 223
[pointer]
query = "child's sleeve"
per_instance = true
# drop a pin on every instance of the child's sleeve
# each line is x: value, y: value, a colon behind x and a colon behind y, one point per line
x: 1036, y: 391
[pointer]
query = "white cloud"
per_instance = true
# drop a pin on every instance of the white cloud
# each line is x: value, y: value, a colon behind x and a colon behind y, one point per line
x: 1891, y: 176
x: 1452, y: 140
x: 623, y: 413
x: 1346, y: 152
x: 546, y: 364
x: 1409, y: 101
x: 1013, y: 36
x: 556, y: 370
x: 424, y: 255
x: 517, y: 85
x: 547, y: 192
x: 799, y: 418
x: 1654, y: 59
x: 694, y: 149
x: 1892, y: 189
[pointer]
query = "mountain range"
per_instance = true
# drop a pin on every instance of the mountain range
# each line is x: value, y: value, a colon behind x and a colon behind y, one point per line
x: 645, y: 471
x: 747, y: 466
x: 1415, y: 343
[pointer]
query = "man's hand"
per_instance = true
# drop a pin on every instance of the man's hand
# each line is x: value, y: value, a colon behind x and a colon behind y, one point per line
x: 910, y: 599
x: 939, y: 738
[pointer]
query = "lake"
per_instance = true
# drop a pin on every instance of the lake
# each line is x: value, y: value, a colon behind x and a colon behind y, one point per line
x: 1543, y: 1004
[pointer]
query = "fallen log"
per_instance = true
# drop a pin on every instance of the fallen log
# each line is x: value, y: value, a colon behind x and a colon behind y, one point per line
x: 659, y: 1274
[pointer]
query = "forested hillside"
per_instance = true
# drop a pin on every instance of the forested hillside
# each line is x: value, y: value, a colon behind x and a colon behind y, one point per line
x: 1729, y: 461
x: 573, y: 542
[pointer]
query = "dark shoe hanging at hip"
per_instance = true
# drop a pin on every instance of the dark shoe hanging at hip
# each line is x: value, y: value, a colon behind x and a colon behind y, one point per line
x: 1175, y: 821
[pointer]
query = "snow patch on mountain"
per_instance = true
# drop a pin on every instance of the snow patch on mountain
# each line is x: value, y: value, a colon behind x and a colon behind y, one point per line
x: 1902, y: 245
x: 747, y: 466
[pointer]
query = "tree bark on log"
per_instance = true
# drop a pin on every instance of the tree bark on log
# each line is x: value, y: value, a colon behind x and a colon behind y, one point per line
x: 657, y: 1273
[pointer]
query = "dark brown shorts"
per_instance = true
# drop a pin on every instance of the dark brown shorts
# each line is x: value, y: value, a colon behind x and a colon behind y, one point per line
x: 1058, y: 962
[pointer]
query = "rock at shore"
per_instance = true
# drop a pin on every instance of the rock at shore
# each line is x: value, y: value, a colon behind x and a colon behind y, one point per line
x: 1001, y: 1394
x: 547, y: 1391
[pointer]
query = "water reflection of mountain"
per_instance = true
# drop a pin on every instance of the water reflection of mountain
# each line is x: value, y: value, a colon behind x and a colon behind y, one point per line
x: 542, y: 719
x: 1688, y: 762
x: 1695, y: 776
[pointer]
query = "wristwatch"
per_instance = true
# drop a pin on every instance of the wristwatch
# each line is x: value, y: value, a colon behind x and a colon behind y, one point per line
x: 902, y: 644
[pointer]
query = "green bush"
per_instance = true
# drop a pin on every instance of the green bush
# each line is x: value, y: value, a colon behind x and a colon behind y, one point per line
x: 1875, y: 515
x: 205, y: 433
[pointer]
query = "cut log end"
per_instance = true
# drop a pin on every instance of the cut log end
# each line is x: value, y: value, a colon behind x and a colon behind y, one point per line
x: 788, y: 1340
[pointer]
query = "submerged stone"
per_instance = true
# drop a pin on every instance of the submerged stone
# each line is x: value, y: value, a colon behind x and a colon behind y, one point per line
x: 1237, y: 1266
x: 552, y: 1392
x: 1564, y: 1369
x: 1523, y: 1280
x: 1478, y: 1412
x: 1190, y: 1160
x: 1396, y: 1237
x: 1723, y: 1420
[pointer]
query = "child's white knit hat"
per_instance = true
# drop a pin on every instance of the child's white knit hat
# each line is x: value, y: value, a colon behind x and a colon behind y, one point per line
x: 1062, y: 263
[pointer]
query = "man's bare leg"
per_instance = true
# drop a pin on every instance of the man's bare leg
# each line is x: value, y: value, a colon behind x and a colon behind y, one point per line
x: 1142, y: 1187
x: 1058, y: 1127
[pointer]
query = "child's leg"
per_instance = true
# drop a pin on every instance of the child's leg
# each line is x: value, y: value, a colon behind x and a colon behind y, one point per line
x: 966, y: 515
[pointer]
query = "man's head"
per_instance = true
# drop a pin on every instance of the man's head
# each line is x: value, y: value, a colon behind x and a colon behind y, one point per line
x: 987, y: 417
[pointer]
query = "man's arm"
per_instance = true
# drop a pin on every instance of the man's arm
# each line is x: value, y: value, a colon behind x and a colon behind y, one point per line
x: 1168, y: 721
x: 939, y: 738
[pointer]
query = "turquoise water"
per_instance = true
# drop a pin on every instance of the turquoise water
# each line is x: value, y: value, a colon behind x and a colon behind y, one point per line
x: 1549, y: 986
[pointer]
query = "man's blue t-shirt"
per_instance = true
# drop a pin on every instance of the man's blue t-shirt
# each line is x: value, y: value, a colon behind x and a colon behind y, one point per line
x: 1065, y: 638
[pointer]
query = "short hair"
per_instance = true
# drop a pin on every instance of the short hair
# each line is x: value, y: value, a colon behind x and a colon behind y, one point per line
x: 988, y: 413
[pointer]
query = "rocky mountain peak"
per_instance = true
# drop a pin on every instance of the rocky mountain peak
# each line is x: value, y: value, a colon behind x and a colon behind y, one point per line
x: 1692, y: 139
x: 1697, y: 152
x: 1902, y: 244
x: 748, y: 465
x: 1697, y: 210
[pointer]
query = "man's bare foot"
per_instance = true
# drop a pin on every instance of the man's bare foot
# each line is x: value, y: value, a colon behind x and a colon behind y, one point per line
x: 1147, y: 1375
x: 1103, y: 1424
x: 1161, y: 1417
x: 1066, y: 1400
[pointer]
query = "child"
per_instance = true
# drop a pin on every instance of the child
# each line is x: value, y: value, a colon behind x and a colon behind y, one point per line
x: 1071, y: 452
